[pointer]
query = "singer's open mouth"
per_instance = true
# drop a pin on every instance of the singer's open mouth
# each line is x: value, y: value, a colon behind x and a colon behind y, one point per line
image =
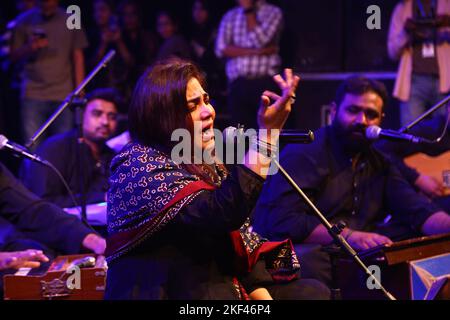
x: 207, y: 134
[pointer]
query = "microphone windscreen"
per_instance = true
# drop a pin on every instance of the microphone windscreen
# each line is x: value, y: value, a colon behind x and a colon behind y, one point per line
x: 373, y: 132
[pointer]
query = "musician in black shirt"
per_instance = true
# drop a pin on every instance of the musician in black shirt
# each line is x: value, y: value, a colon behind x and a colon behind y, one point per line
x: 65, y: 153
x: 348, y: 180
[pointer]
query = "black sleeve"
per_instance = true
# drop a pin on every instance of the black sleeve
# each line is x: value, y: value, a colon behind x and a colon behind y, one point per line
x: 42, y: 180
x: 409, y: 173
x: 406, y: 205
x: 226, y: 208
x: 39, y: 219
x: 396, y: 152
x: 280, y: 212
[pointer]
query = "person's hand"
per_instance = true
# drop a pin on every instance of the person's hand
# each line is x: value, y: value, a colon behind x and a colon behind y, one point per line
x: 107, y: 36
x: 116, y: 35
x: 22, y: 259
x: 430, y: 186
x: 365, y: 240
x: 273, y: 116
x: 94, y: 243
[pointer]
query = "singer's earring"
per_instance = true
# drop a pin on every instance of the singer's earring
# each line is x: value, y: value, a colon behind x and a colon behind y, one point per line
x: 292, y: 100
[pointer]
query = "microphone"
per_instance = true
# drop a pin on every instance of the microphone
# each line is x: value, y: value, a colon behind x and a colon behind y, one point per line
x: 296, y: 136
x: 375, y: 132
x: 19, y: 150
x: 286, y: 135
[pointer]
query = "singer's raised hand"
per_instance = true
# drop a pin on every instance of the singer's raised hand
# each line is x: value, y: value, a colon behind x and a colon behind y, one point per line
x: 274, y: 116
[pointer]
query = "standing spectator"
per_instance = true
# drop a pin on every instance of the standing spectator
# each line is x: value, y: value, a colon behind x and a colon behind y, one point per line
x: 141, y: 44
x: 53, y: 64
x: 419, y: 36
x: 249, y: 40
x: 173, y: 44
x: 135, y: 46
x: 10, y: 81
x: 101, y: 36
x: 203, y: 34
x: 202, y: 30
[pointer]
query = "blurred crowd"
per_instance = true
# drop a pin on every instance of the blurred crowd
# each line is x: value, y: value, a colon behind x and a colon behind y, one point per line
x: 41, y: 83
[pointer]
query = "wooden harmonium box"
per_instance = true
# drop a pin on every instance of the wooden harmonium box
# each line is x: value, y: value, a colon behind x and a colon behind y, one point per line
x: 73, y: 277
x: 396, y: 262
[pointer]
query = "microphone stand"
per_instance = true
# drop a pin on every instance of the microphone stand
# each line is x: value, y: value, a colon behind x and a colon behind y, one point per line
x: 81, y: 155
x: 67, y: 102
x: 425, y: 114
x: 70, y: 98
x: 333, y: 230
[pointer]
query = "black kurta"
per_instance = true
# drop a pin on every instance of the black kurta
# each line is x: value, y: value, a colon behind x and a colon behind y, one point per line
x: 362, y: 195
x: 191, y: 257
x: 62, y: 151
x: 24, y: 216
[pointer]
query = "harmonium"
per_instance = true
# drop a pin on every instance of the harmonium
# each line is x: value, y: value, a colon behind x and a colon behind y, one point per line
x: 72, y: 277
x: 417, y: 268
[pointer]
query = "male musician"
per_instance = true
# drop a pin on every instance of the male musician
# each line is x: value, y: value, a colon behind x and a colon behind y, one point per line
x: 430, y: 129
x: 248, y: 38
x: 65, y: 153
x: 33, y: 231
x: 348, y: 180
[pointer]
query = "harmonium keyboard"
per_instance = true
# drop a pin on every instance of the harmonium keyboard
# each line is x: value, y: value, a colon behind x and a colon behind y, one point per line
x: 73, y: 277
x: 394, y: 263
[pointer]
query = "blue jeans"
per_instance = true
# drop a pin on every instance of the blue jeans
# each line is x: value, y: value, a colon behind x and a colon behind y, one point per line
x: 35, y: 113
x: 424, y: 94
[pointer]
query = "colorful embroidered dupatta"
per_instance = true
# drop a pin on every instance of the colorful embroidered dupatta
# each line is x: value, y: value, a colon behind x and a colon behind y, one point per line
x: 148, y: 189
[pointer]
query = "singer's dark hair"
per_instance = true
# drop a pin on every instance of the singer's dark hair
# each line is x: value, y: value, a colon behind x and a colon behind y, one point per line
x: 159, y: 104
x: 359, y: 85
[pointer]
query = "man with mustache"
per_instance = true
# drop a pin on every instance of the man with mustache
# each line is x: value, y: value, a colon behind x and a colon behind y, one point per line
x: 348, y: 180
x: 99, y: 123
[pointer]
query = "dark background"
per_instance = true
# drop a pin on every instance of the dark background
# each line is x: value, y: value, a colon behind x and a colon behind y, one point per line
x: 319, y: 35
x: 323, y: 40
